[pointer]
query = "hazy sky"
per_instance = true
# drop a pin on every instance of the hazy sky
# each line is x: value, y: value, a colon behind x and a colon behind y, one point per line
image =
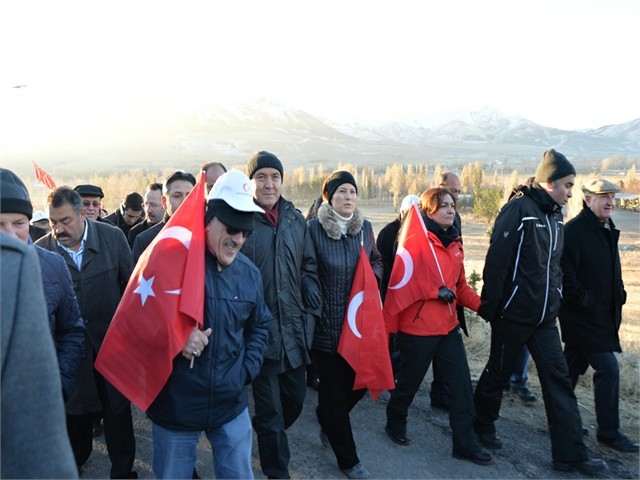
x: 565, y: 64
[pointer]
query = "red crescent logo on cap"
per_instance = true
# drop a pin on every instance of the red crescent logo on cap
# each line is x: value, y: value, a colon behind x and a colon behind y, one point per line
x: 245, y: 187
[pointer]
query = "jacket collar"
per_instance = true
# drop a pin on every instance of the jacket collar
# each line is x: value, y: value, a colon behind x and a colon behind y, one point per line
x: 329, y: 224
x: 592, y: 221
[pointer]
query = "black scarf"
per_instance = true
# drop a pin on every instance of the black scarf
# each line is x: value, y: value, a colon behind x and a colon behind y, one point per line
x: 446, y: 236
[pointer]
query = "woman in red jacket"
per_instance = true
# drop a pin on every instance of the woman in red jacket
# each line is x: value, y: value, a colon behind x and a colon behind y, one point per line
x: 429, y: 328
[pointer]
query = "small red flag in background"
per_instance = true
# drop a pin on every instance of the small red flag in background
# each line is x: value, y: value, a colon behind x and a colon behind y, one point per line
x: 163, y: 302
x: 364, y: 343
x: 43, y: 177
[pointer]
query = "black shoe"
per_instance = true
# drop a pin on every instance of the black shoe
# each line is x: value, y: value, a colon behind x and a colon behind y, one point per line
x: 588, y: 466
x: 131, y: 474
x: 395, y: 438
x: 490, y: 440
x: 440, y: 405
x: 313, y: 381
x: 622, y: 443
x: 479, y: 458
x: 524, y: 393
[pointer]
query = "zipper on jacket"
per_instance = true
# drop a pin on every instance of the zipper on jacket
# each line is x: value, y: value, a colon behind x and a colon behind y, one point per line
x: 547, y: 281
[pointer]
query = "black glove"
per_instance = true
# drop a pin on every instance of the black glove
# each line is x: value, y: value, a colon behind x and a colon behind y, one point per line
x: 312, y: 298
x: 446, y: 295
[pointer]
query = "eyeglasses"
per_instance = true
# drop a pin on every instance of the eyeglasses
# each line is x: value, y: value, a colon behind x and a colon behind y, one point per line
x: 234, y: 231
x: 88, y: 204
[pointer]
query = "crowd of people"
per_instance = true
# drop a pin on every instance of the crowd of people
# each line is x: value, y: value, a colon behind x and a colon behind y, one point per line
x: 276, y: 294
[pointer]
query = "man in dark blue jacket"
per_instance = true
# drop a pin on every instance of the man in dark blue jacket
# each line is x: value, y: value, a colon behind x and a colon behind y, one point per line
x: 207, y: 389
x: 64, y: 316
x: 521, y: 298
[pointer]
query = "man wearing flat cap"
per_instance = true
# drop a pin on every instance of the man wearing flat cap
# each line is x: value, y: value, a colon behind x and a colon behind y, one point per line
x: 92, y: 196
x: 591, y: 310
x: 521, y: 298
x: 209, y: 392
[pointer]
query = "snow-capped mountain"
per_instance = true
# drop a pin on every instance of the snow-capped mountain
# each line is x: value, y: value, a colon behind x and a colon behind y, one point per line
x: 160, y: 134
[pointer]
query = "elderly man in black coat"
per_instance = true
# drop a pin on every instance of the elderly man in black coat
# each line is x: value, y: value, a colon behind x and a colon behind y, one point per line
x: 591, y: 310
x: 100, y: 263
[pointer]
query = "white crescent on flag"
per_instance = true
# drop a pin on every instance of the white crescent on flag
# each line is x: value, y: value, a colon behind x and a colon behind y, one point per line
x: 408, y: 268
x: 354, y: 305
x: 183, y: 235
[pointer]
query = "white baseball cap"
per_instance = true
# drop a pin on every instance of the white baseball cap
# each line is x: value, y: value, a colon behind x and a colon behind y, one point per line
x: 231, y: 201
x: 235, y: 188
x: 38, y: 215
x: 408, y: 201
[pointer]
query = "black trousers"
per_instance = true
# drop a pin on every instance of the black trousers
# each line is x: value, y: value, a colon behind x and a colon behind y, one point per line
x: 416, y: 354
x: 278, y: 400
x: 563, y: 416
x: 606, y: 386
x: 118, y: 435
x: 336, y: 398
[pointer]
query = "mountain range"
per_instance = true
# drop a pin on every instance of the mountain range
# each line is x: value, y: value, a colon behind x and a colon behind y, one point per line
x: 159, y: 135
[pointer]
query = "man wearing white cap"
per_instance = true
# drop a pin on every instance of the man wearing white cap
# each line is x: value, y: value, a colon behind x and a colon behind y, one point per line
x: 591, y: 311
x: 210, y: 394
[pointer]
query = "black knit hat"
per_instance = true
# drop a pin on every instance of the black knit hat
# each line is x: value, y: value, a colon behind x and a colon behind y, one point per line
x: 14, y: 197
x: 264, y: 159
x: 332, y: 183
x: 554, y: 165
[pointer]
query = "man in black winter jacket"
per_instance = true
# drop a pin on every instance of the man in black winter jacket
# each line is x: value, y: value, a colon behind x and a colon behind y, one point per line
x: 521, y: 294
x: 591, y: 309
x: 282, y: 250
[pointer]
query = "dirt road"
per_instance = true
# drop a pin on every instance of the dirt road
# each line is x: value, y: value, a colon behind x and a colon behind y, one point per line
x: 526, y: 453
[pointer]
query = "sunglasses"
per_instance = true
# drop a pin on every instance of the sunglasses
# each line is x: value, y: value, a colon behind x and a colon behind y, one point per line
x: 234, y: 231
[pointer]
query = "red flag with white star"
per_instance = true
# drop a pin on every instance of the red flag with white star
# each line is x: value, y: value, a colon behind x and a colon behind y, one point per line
x: 363, y: 342
x: 163, y: 302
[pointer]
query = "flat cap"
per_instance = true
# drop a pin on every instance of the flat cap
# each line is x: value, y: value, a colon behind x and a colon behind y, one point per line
x: 87, y: 190
x: 599, y: 185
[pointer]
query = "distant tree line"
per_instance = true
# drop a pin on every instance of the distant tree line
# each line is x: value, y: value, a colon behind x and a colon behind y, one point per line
x: 482, y: 193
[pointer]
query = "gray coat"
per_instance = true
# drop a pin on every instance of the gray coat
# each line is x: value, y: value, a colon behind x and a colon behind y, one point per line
x: 106, y: 268
x: 34, y: 435
x: 287, y: 262
x: 337, y: 257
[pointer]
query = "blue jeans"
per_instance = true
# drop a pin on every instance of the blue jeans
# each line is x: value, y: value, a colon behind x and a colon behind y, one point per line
x: 519, y: 375
x: 174, y: 452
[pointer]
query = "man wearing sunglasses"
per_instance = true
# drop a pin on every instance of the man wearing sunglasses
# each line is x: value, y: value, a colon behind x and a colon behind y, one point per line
x: 282, y: 249
x: 210, y: 392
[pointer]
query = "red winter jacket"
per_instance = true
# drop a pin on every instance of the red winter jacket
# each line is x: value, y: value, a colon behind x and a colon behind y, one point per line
x: 431, y: 316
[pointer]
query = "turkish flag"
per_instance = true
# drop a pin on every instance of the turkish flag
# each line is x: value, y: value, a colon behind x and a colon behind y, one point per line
x: 163, y: 302
x: 405, y: 287
x: 43, y: 177
x: 364, y: 343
